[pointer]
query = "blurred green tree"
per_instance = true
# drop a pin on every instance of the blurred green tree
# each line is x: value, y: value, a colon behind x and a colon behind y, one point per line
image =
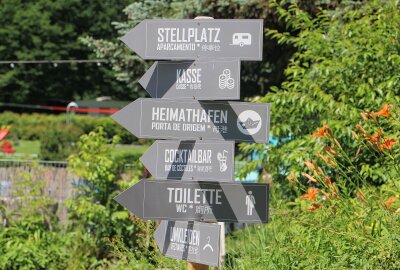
x: 43, y: 30
x: 257, y: 77
x: 347, y: 63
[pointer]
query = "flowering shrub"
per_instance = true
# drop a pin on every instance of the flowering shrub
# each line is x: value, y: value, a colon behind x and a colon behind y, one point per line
x: 348, y: 214
x: 339, y: 172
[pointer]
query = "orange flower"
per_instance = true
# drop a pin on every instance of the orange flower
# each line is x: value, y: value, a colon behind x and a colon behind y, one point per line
x: 320, y: 132
x: 389, y: 202
x: 377, y: 135
x: 388, y: 143
x: 314, y: 207
x: 309, y: 177
x: 311, y: 194
x: 375, y: 138
x: 384, y: 111
x: 323, y: 131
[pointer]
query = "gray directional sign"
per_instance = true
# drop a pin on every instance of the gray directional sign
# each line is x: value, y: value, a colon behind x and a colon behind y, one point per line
x: 191, y: 160
x: 191, y: 119
x: 197, y: 201
x: 197, y: 39
x: 202, y: 80
x: 191, y: 241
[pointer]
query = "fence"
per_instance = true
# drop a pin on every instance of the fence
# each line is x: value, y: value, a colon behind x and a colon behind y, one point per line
x: 58, y: 180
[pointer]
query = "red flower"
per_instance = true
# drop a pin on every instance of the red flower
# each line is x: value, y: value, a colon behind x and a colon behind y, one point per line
x: 3, y: 133
x: 7, y: 148
x: 311, y: 194
x: 383, y: 112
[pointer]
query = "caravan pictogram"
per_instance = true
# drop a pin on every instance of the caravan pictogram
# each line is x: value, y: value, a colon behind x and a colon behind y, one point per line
x: 241, y: 39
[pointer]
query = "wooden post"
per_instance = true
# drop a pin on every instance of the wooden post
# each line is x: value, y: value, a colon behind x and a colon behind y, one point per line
x: 222, y: 245
x: 197, y: 266
x: 192, y: 265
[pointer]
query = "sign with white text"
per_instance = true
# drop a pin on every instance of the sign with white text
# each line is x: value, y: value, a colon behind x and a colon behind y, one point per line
x: 197, y: 39
x: 191, y: 160
x: 197, y: 201
x: 201, y: 80
x: 188, y: 240
x: 191, y: 120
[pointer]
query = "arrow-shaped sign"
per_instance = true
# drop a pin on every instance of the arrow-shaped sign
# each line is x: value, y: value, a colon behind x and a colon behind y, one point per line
x: 191, y: 241
x: 191, y: 120
x: 197, y: 201
x: 191, y: 160
x: 197, y: 39
x: 202, y: 80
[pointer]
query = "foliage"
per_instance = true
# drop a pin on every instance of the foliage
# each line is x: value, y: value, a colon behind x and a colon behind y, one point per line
x: 32, y: 126
x: 57, y: 142
x: 375, y: 159
x: 348, y: 217
x: 49, y: 30
x: 93, y: 207
x: 256, y: 77
x: 98, y: 229
x: 29, y: 237
x: 346, y: 63
x: 337, y: 159
x: 350, y: 234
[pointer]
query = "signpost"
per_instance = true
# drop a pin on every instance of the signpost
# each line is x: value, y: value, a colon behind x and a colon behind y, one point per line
x: 191, y: 120
x: 197, y: 201
x: 202, y: 80
x: 192, y: 241
x: 197, y: 39
x: 195, y: 171
x: 191, y: 160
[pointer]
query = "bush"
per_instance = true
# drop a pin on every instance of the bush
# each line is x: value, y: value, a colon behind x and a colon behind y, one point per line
x: 352, y: 234
x: 346, y: 64
x: 31, y: 126
x: 58, y: 142
x: 348, y: 216
x: 99, y: 234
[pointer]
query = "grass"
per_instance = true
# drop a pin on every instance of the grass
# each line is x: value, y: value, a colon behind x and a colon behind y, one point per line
x: 129, y: 149
x: 27, y: 147
x: 31, y: 149
x: 24, y: 150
